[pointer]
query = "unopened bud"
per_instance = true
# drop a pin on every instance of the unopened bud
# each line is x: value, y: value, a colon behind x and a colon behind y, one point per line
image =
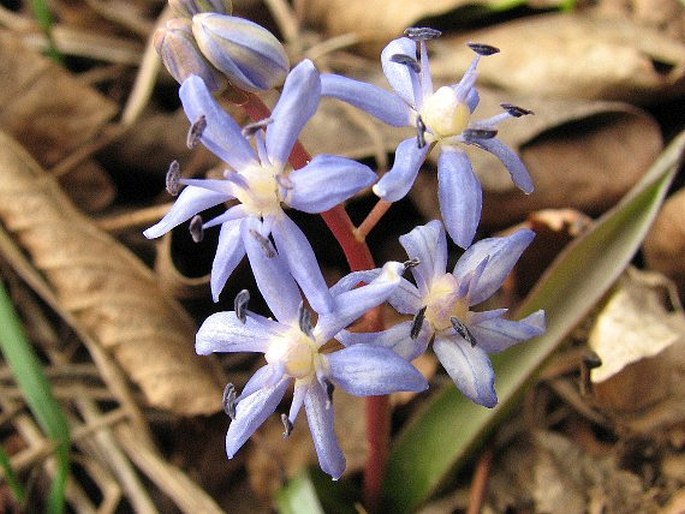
x: 180, y: 54
x: 189, y: 8
x: 249, y: 55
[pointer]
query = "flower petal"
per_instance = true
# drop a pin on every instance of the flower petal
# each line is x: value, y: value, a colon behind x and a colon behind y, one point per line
x: 397, y: 338
x: 251, y: 412
x: 301, y: 261
x: 502, y: 254
x: 400, y: 76
x: 325, y: 182
x: 364, y: 370
x: 320, y: 419
x: 397, y: 182
x: 384, y: 105
x: 469, y: 367
x: 229, y: 252
x: 271, y: 272
x: 428, y: 243
x: 406, y: 298
x: 222, y: 136
x: 461, y: 197
x: 223, y: 332
x: 353, y: 279
x: 513, y: 163
x: 498, y: 334
x: 298, y: 102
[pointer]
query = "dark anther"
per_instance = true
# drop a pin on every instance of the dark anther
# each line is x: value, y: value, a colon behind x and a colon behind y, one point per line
x: 471, y: 134
x: 591, y: 360
x: 195, y: 228
x: 411, y: 263
x: 329, y: 390
x: 264, y: 242
x: 240, y: 305
x: 418, y: 323
x: 482, y: 49
x: 462, y: 330
x: 305, y: 320
x: 588, y: 361
x: 420, y: 132
x: 422, y: 33
x: 195, y: 132
x: 228, y: 400
x: 515, y: 110
x: 173, y: 176
x: 407, y: 61
x: 287, y: 426
x: 252, y: 128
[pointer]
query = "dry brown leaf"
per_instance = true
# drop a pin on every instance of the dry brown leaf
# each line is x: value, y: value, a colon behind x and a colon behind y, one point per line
x: 106, y: 288
x: 581, y: 155
x: 45, y: 108
x: 572, y: 56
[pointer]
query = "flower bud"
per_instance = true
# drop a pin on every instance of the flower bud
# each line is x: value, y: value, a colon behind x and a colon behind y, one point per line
x: 189, y: 8
x: 248, y: 54
x: 180, y: 54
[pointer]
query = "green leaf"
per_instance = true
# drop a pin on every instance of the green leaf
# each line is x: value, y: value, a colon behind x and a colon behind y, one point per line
x: 11, y: 478
x: 313, y: 492
x: 443, y: 435
x: 28, y: 373
x: 298, y: 496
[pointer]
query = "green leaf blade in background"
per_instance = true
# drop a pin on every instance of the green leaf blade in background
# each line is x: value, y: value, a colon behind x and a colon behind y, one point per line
x: 444, y: 433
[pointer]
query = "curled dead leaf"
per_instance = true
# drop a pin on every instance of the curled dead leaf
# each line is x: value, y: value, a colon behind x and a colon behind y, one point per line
x: 106, y: 288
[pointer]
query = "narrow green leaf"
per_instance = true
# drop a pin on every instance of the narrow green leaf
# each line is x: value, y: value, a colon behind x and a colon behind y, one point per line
x: 11, y: 478
x: 443, y: 435
x: 44, y: 18
x: 28, y: 373
x: 313, y: 492
x: 298, y: 496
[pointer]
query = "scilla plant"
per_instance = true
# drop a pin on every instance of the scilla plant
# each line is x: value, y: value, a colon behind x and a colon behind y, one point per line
x: 267, y: 172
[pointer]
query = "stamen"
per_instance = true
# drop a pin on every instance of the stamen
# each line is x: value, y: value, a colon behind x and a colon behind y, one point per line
x: 329, y: 392
x: 462, y: 330
x: 264, y: 242
x: 588, y: 361
x: 417, y: 324
x: 287, y: 426
x: 251, y: 129
x: 195, y: 131
x: 411, y: 263
x: 196, y: 230
x: 483, y: 49
x: 240, y: 305
x: 173, y: 176
x: 420, y: 132
x: 515, y: 110
x: 305, y: 321
x: 228, y: 400
x: 408, y: 61
x: 474, y: 133
x: 422, y: 33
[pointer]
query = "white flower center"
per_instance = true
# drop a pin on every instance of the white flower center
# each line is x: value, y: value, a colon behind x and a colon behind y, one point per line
x: 442, y: 303
x: 443, y: 115
x: 297, y: 353
x: 261, y: 197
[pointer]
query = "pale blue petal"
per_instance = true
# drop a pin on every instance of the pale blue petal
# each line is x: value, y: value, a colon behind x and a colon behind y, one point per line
x: 382, y: 104
x: 406, y: 298
x: 513, y: 163
x: 223, y: 332
x: 502, y: 254
x: 397, y: 338
x: 222, y: 186
x: 298, y: 103
x: 299, y: 394
x: 300, y: 259
x: 352, y: 280
x: 251, y: 412
x: 350, y: 305
x: 498, y: 334
x: 469, y: 367
x: 397, y: 182
x: 429, y: 244
x: 229, y: 252
x: 270, y: 272
x: 222, y: 136
x: 320, y: 419
x: 325, y: 182
x: 400, y: 77
x: 460, y: 194
x: 191, y: 201
x: 259, y: 379
x: 233, y: 213
x: 364, y: 370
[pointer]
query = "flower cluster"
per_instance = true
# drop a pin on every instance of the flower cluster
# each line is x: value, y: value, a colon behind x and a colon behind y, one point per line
x: 307, y: 344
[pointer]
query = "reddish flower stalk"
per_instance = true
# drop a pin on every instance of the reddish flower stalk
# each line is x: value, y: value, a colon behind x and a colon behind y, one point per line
x: 359, y: 258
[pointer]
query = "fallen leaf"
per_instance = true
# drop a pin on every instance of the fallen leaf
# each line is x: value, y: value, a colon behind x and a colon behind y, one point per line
x: 107, y: 289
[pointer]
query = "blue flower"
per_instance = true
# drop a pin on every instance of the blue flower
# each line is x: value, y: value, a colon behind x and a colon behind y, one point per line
x: 441, y: 304
x: 292, y: 349
x: 259, y: 183
x: 442, y: 116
